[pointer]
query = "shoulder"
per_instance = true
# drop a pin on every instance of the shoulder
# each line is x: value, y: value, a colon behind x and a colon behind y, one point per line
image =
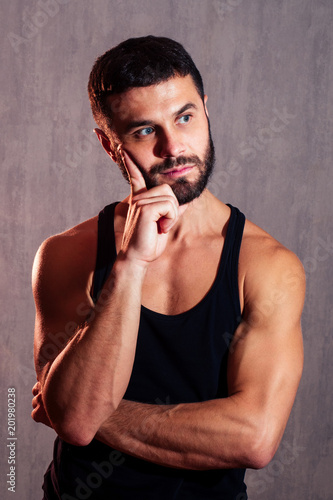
x: 79, y: 241
x: 270, y: 273
x: 66, y: 259
x: 260, y: 250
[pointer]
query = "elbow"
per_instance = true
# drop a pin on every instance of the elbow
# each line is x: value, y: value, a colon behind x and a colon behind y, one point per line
x: 77, y: 424
x: 255, y: 450
x: 75, y: 437
x: 77, y: 430
x: 259, y: 458
x: 262, y: 448
x: 73, y: 430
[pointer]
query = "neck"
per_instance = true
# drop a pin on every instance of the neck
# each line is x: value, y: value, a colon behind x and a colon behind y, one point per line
x: 204, y: 214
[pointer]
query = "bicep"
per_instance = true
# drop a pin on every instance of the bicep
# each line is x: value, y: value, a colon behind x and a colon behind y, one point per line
x: 62, y: 306
x: 266, y: 355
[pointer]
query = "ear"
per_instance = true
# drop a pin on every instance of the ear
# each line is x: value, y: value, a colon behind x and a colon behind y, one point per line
x: 105, y: 141
x: 205, y: 104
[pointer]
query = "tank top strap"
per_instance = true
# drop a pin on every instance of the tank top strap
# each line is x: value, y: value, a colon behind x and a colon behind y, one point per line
x: 106, y: 248
x: 231, y: 251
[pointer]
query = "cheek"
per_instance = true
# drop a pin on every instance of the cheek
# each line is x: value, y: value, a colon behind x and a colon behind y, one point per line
x: 199, y: 148
x: 142, y: 154
x: 199, y: 136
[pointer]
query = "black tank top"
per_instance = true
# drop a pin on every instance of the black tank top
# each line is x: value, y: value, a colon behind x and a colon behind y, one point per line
x: 179, y: 359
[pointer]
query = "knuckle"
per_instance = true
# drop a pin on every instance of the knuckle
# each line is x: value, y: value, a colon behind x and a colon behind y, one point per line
x: 167, y: 189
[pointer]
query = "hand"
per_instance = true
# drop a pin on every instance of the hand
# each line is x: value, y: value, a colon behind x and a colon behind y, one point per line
x: 38, y: 413
x: 151, y: 215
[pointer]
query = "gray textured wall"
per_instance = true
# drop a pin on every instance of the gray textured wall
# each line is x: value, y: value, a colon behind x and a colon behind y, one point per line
x: 268, y: 70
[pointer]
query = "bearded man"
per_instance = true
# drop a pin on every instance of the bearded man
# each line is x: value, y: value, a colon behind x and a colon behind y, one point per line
x: 168, y: 344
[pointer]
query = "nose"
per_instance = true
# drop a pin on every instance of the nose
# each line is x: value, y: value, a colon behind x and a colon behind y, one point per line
x: 170, y: 144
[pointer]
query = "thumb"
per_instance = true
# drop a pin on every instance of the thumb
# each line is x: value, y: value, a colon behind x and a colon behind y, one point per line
x: 137, y: 181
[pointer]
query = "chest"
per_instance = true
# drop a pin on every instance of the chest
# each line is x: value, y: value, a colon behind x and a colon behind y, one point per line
x: 183, y: 357
x: 182, y: 276
x: 180, y: 279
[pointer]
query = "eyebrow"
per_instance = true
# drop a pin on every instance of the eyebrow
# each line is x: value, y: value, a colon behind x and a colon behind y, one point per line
x: 187, y: 106
x: 146, y: 123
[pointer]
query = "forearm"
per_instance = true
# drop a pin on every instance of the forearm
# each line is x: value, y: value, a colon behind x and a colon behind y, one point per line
x: 93, y: 370
x: 209, y: 435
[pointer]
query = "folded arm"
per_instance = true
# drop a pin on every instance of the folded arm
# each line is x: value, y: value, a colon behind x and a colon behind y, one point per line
x: 264, y: 370
x: 265, y: 365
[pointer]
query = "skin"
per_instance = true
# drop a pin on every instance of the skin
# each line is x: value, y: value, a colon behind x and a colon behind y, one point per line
x: 92, y: 366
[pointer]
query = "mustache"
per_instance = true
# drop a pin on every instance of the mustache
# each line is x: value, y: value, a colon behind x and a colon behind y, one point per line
x: 175, y: 162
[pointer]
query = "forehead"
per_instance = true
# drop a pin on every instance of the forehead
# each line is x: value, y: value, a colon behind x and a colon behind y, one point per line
x: 154, y: 102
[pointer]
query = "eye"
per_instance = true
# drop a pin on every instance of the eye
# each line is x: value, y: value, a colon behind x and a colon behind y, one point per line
x: 184, y: 119
x: 145, y: 131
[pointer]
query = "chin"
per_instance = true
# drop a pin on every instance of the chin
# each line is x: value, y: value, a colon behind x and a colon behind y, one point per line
x: 185, y: 192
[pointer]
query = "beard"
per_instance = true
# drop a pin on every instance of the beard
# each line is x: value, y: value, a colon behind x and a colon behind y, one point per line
x: 184, y: 190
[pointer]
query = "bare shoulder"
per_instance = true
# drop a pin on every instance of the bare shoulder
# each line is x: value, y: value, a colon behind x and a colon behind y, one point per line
x: 66, y: 261
x: 268, y: 269
x: 75, y: 246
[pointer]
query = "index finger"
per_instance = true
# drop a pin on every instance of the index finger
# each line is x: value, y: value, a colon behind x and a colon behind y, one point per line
x: 137, y: 181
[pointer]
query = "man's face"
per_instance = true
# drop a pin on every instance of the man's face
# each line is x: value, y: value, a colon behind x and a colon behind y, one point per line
x: 165, y: 130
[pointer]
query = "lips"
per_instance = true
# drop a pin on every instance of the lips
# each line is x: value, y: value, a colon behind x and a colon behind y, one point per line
x: 179, y: 171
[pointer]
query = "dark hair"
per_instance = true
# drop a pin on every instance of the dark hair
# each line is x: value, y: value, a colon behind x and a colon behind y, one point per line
x: 137, y: 62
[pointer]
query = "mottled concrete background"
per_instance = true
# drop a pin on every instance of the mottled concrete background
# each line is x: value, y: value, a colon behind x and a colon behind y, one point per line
x: 267, y: 67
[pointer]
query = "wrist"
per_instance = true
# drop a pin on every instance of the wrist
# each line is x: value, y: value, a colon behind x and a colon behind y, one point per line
x: 133, y: 268
x: 126, y: 261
